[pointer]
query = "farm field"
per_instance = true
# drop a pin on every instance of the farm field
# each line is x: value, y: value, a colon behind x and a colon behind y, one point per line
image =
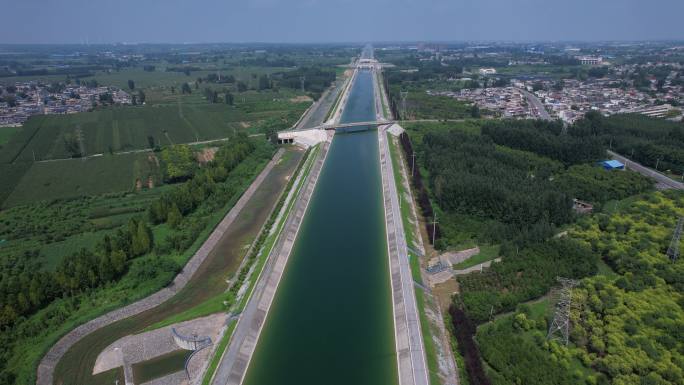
x: 115, y: 131
x: 132, y: 128
x: 162, y: 78
x: 78, y: 177
x: 6, y: 133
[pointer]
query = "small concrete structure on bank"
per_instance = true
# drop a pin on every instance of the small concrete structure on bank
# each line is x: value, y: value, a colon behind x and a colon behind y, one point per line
x: 304, y: 138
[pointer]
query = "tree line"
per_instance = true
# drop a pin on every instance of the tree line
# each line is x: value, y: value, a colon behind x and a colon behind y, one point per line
x: 546, y: 138
x: 26, y: 287
x: 656, y: 143
x: 468, y: 174
x: 108, y: 261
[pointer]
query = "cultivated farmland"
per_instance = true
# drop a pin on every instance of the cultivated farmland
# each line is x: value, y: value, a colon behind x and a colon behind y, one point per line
x: 77, y: 177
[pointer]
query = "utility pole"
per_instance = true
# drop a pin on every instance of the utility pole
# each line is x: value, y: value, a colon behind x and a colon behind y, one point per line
x: 404, y: 95
x: 413, y: 164
x: 434, y: 228
x: 673, y: 249
x: 302, y: 79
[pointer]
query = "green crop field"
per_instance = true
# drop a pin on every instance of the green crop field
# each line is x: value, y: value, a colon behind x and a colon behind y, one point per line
x: 161, y: 78
x: 6, y: 133
x: 117, y: 130
x: 129, y: 128
x: 77, y: 177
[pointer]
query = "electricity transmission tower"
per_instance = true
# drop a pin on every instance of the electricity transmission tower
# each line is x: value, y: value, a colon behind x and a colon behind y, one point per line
x: 560, y: 326
x: 403, y: 94
x: 302, y: 79
x: 673, y: 250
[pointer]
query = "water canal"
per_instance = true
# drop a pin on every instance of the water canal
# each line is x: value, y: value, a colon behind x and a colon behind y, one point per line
x: 331, y: 320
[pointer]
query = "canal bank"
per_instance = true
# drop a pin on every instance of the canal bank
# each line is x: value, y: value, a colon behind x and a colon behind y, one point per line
x: 331, y: 318
x: 331, y: 321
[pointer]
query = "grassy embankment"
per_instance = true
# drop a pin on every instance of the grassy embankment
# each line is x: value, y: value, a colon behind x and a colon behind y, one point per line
x: 385, y: 107
x: 263, y: 255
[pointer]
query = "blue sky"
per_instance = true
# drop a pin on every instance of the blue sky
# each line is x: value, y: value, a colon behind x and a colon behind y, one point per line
x: 98, y: 21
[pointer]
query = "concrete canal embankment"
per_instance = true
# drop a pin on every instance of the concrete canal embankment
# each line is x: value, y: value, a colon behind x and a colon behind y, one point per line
x: 236, y: 358
x: 411, y: 360
x: 330, y: 320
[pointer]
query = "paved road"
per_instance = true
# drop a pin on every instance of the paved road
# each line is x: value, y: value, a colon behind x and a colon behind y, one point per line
x: 411, y: 360
x: 643, y: 170
x: 543, y: 114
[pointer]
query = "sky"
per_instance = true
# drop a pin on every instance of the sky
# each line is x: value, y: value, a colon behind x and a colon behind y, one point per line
x: 303, y: 21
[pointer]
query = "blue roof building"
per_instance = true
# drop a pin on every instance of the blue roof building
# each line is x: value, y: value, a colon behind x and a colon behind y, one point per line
x: 612, y: 165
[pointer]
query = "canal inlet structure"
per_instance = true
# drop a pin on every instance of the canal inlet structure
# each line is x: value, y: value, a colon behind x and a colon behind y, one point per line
x: 330, y: 320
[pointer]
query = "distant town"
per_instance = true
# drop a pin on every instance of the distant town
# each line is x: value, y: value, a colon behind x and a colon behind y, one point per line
x: 20, y: 101
x: 570, y: 99
x: 550, y: 81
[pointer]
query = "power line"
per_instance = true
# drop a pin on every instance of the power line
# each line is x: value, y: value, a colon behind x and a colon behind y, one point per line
x: 560, y: 326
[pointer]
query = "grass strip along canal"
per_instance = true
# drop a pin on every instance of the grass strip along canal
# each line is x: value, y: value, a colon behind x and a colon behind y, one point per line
x: 224, y: 259
x: 331, y: 318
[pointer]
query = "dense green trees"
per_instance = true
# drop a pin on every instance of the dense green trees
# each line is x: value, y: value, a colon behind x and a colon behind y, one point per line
x: 178, y: 162
x: 523, y: 274
x: 81, y: 271
x: 171, y: 207
x: 469, y: 174
x: 627, y: 325
x: 597, y: 185
x: 546, y: 139
x: 316, y: 79
x: 646, y: 140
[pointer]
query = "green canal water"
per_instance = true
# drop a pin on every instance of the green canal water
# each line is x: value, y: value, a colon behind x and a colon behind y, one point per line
x: 331, y: 320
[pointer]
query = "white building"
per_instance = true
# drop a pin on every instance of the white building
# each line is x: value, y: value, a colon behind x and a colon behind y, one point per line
x: 590, y: 60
